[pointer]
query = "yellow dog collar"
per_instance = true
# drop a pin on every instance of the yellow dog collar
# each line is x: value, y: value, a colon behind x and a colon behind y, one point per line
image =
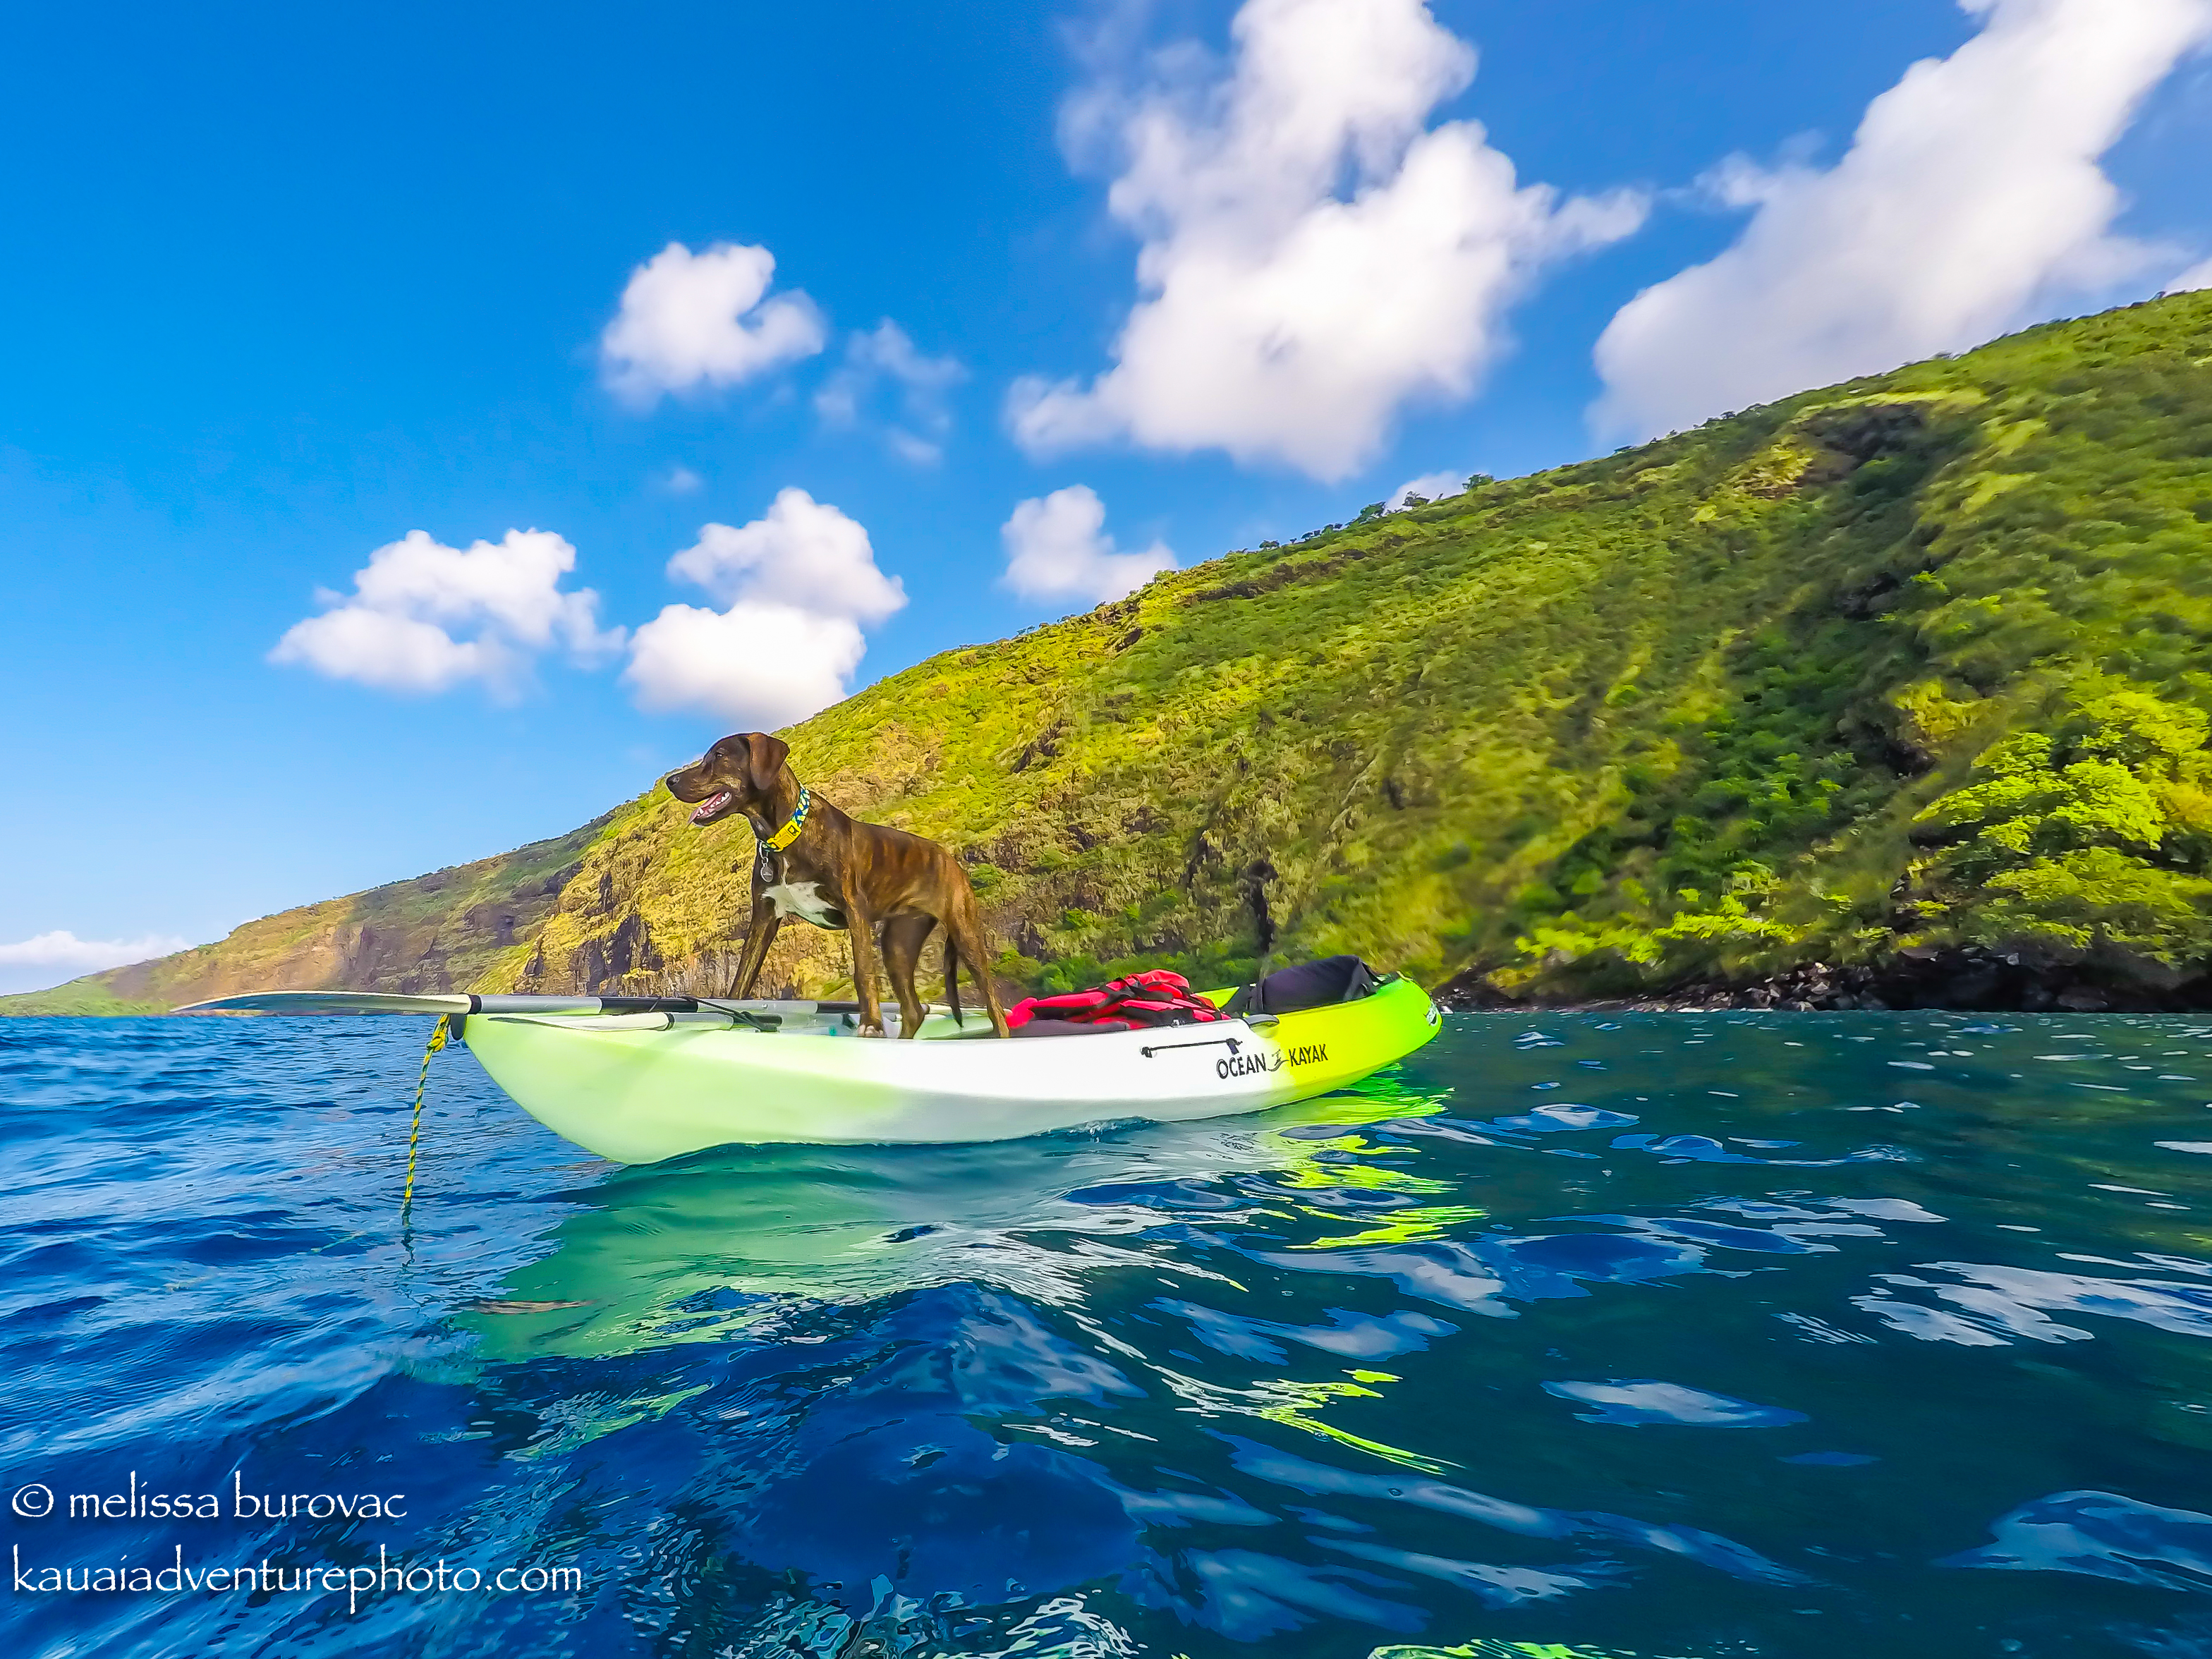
x: 783, y: 838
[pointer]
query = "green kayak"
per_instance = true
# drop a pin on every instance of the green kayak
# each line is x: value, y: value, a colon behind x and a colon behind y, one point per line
x: 639, y: 1080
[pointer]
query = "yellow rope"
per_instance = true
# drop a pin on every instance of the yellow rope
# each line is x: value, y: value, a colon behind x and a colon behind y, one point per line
x: 438, y: 1036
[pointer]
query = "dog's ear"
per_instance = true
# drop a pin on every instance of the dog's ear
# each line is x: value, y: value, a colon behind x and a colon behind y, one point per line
x: 765, y: 758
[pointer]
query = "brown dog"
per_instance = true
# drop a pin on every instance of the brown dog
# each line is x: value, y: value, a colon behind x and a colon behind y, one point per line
x: 837, y: 872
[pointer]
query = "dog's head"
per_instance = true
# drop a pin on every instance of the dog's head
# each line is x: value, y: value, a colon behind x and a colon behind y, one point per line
x: 736, y: 775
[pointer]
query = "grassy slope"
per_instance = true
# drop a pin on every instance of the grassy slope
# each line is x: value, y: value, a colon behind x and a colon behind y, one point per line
x: 1723, y: 703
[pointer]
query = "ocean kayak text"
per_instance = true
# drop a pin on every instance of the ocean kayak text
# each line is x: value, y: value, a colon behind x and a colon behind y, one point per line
x: 1311, y: 1053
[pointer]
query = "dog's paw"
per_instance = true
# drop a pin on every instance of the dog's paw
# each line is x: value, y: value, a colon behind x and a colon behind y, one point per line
x: 871, y: 1030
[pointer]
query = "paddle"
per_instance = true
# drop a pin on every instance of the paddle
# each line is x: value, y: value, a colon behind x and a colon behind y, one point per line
x: 381, y: 1002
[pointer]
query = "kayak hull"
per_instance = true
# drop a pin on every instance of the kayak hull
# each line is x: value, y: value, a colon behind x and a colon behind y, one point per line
x: 638, y: 1091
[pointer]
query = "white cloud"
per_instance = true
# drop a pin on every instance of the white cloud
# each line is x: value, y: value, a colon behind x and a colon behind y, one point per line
x: 397, y: 630
x: 1315, y: 256
x: 922, y: 383
x: 681, y: 480
x: 797, y: 588
x: 1971, y: 193
x: 2197, y: 277
x: 921, y: 451
x: 1057, y: 548
x: 703, y: 320
x: 1429, y: 487
x: 804, y: 553
x: 753, y: 664
x: 45, y: 959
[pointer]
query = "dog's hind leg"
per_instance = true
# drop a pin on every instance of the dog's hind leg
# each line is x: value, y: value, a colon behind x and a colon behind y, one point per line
x: 963, y: 931
x: 904, y: 937
x: 759, y: 935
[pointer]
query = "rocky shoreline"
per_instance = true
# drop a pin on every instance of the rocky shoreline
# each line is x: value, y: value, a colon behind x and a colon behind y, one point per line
x: 1966, y: 980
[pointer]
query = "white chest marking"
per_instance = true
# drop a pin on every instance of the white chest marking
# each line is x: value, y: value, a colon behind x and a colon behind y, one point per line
x: 802, y: 899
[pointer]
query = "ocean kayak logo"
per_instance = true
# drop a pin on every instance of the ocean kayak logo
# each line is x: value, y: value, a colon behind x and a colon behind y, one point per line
x: 1311, y: 1053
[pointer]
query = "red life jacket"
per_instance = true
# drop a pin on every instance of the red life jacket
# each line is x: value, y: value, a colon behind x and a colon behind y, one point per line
x: 1156, y: 997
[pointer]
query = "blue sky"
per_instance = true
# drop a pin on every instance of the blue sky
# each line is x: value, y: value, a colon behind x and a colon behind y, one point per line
x: 293, y: 284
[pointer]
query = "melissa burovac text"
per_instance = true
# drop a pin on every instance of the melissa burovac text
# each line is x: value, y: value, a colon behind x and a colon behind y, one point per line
x: 140, y: 1502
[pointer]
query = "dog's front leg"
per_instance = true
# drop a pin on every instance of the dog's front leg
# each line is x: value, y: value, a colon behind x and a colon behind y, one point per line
x: 860, y: 928
x: 759, y: 935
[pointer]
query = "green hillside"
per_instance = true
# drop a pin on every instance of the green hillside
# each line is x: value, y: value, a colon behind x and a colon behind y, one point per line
x: 1904, y: 674
x: 454, y: 927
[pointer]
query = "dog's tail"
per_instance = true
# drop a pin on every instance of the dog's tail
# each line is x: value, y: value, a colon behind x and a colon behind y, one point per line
x: 952, y: 976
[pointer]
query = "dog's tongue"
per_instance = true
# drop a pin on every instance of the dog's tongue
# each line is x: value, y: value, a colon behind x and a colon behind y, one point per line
x: 714, y: 804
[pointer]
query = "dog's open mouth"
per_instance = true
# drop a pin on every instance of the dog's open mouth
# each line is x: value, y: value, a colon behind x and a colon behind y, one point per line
x: 713, y: 807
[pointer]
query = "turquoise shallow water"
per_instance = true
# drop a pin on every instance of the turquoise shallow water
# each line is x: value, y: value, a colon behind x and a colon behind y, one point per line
x: 1677, y: 1334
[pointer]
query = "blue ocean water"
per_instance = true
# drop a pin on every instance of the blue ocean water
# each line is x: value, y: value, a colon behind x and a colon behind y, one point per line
x: 1670, y: 1335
